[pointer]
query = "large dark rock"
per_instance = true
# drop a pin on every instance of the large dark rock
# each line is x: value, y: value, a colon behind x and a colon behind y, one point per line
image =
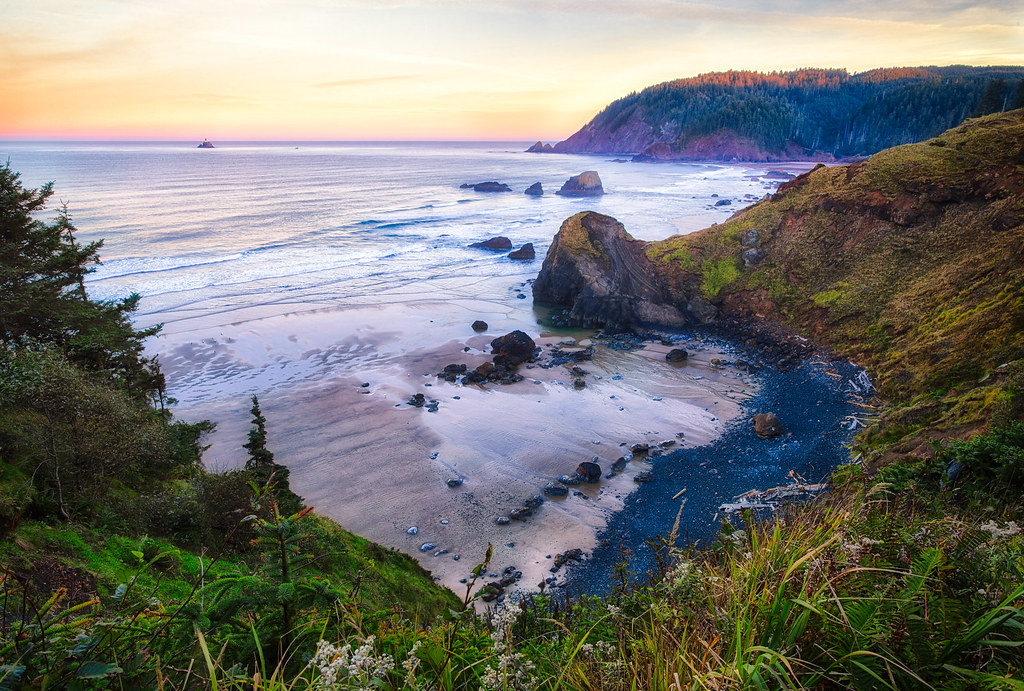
x: 489, y: 186
x: 586, y: 184
x: 497, y: 243
x: 588, y: 471
x: 676, y: 355
x: 512, y: 349
x: 525, y: 252
x: 752, y: 257
x: 767, y: 425
x: 535, y: 190
x: 479, y: 325
x: 605, y: 277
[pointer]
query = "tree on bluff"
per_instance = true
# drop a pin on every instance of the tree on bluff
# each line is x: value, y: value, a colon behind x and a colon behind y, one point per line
x: 992, y: 100
x: 263, y: 467
x: 43, y: 297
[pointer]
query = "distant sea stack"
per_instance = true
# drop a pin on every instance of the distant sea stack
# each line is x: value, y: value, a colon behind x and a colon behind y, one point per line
x: 535, y: 190
x: 490, y: 186
x: 207, y: 144
x: 586, y: 184
x: 808, y: 114
x: 540, y: 148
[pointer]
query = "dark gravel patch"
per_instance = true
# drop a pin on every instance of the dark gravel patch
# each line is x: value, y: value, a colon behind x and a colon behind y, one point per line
x: 811, y: 406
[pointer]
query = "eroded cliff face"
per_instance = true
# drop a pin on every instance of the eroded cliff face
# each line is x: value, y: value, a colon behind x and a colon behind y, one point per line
x: 911, y: 263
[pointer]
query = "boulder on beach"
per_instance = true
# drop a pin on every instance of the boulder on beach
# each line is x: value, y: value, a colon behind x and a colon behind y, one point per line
x: 479, y: 325
x: 512, y: 349
x: 525, y: 252
x: 569, y: 555
x: 767, y: 425
x: 586, y: 184
x: 490, y: 186
x: 535, y: 190
x: 588, y: 471
x: 496, y: 243
x: 676, y: 355
x: 555, y: 490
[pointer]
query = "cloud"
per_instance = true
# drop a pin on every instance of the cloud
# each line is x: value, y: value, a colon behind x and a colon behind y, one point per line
x: 367, y: 81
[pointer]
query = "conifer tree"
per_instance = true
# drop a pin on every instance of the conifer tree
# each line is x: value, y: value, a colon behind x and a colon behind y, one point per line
x: 992, y: 100
x: 43, y: 296
x: 262, y: 465
x: 1018, y: 99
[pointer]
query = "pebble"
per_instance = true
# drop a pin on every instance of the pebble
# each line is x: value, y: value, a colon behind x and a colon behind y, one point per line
x: 455, y: 482
x: 413, y: 530
x: 456, y: 557
x: 444, y: 521
x: 433, y: 455
x: 440, y: 552
x: 656, y: 398
x: 427, y: 546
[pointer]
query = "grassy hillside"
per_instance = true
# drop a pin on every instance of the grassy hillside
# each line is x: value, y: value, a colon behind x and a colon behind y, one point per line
x: 911, y: 263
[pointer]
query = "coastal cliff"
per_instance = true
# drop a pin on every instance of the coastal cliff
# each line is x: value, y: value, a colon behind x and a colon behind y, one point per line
x: 807, y: 114
x: 910, y: 263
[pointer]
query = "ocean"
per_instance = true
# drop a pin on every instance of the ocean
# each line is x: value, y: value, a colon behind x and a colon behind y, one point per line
x: 334, y: 280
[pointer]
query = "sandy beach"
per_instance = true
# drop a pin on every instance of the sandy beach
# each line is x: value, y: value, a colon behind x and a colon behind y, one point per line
x: 379, y: 467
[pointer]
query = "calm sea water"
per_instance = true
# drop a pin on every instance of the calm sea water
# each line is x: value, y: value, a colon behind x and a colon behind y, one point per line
x: 197, y: 231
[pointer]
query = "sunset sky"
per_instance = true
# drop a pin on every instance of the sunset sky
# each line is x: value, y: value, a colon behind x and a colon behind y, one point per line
x: 432, y: 69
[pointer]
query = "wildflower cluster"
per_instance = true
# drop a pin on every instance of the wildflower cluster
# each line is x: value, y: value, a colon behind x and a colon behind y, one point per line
x: 512, y: 670
x: 345, y: 668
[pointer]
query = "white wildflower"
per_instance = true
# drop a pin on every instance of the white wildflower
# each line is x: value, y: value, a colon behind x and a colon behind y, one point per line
x: 1009, y: 530
x: 337, y: 665
x: 512, y: 670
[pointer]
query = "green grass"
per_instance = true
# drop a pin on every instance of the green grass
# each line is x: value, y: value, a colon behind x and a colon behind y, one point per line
x: 718, y: 274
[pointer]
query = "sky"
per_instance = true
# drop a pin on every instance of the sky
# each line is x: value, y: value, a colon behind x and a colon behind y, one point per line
x: 432, y: 69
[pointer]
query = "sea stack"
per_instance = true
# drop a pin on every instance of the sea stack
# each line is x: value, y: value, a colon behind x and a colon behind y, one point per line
x: 586, y: 184
x: 207, y: 144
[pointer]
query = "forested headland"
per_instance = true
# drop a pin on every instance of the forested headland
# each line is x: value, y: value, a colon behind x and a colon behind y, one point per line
x: 816, y: 114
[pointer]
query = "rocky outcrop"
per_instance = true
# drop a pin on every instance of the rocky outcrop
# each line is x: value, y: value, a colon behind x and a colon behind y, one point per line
x: 586, y: 184
x: 490, y: 186
x: 207, y: 144
x: 604, y: 276
x: 512, y: 349
x: 540, y: 148
x: 501, y: 243
x: 526, y: 252
x: 910, y: 262
x: 535, y: 190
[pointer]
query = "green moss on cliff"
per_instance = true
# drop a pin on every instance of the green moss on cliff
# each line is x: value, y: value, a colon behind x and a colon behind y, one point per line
x: 910, y: 262
x: 574, y: 238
